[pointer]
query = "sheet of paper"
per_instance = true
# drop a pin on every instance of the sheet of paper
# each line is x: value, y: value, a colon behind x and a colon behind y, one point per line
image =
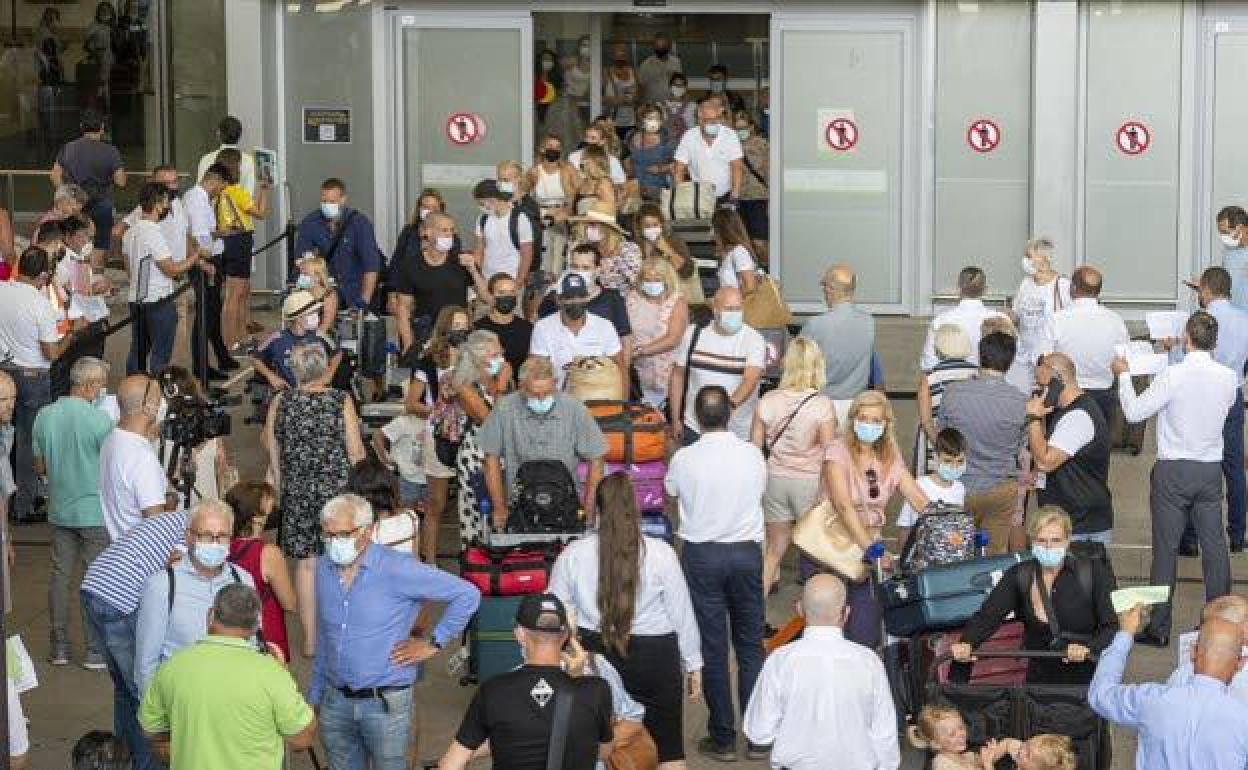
x: 1165, y: 323
x: 1141, y: 360
x: 21, y: 667
x: 1125, y: 598
x: 91, y: 308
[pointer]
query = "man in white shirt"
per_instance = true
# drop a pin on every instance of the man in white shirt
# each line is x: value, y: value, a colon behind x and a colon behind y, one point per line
x: 153, y: 263
x: 725, y: 352
x: 230, y: 131
x: 504, y: 234
x: 1191, y: 400
x: 201, y: 217
x: 1232, y: 609
x: 710, y: 153
x: 132, y: 481
x: 1088, y: 332
x: 795, y: 711
x: 969, y: 314
x: 29, y: 341
x: 574, y: 332
x: 719, y: 482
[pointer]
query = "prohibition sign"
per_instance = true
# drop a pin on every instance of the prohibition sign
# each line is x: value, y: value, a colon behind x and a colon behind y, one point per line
x: 1133, y: 138
x: 841, y: 134
x: 464, y: 128
x: 983, y: 135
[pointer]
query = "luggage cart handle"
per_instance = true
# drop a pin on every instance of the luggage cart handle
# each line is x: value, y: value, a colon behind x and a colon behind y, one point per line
x: 934, y: 670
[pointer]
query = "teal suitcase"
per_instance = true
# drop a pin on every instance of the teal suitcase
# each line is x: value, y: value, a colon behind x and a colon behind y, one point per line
x: 492, y: 646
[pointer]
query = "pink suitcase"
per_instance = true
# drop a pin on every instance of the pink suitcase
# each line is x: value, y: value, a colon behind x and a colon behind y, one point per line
x: 647, y: 481
x: 1002, y: 671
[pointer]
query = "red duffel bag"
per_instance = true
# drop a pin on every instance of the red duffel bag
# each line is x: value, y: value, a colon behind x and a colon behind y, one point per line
x: 509, y: 571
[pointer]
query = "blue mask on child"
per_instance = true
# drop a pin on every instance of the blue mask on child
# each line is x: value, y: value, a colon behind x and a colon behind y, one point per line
x: 950, y: 473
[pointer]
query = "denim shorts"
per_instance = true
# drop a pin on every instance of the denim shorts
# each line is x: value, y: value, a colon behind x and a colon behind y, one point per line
x: 411, y: 491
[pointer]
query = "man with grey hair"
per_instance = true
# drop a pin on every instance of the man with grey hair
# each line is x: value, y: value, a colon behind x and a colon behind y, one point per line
x: 538, y: 422
x: 969, y: 313
x: 274, y: 359
x: 67, y: 438
x: 68, y: 200
x: 1232, y: 609
x: 221, y: 681
x: 174, y: 609
x: 368, y: 598
x: 845, y: 334
x: 132, y: 481
x: 793, y: 709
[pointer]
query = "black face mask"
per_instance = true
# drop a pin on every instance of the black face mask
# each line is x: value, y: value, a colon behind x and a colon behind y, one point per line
x: 551, y: 156
x: 505, y: 304
x: 575, y: 311
x: 662, y: 52
x: 165, y: 214
x: 457, y: 337
x: 174, y: 193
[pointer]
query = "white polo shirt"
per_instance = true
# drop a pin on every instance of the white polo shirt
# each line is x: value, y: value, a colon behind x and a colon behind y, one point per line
x: 27, y: 318
x: 145, y: 245
x: 719, y: 480
x: 501, y: 254
x: 551, y: 338
x: 710, y: 163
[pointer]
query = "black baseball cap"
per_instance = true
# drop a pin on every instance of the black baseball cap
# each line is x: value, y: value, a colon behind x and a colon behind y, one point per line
x: 573, y: 287
x: 542, y: 612
x: 487, y: 189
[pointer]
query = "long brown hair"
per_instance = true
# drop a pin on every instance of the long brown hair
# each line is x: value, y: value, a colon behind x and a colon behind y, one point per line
x: 619, y: 559
x: 439, y: 346
x: 730, y: 232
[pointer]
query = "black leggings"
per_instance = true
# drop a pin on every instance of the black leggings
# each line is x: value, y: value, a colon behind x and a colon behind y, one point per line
x: 652, y: 675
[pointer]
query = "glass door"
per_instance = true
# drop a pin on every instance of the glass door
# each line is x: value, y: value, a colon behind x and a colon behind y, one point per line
x: 463, y: 103
x: 1225, y: 113
x: 846, y: 151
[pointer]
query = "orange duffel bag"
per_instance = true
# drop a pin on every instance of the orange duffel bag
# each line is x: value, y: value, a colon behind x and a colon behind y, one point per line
x: 635, y: 433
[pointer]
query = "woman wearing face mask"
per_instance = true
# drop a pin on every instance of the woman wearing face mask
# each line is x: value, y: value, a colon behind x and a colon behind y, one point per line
x: 253, y: 503
x: 1054, y: 590
x: 553, y: 182
x: 658, y: 315
x: 1042, y: 293
x: 620, y: 258
x: 680, y: 110
x: 655, y: 239
x: 577, y: 74
x: 754, y: 192
x: 862, y: 471
x: 738, y: 267
x: 481, y: 374
x: 620, y: 90
x: 650, y: 159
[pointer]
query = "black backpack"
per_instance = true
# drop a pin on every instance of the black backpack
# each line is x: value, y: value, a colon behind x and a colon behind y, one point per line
x: 545, y: 499
x: 528, y: 207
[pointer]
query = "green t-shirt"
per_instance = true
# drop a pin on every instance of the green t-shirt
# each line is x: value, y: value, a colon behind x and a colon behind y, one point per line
x: 68, y: 435
x: 226, y: 706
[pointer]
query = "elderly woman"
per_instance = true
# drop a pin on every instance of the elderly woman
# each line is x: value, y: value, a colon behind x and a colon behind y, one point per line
x: 480, y: 375
x: 313, y: 438
x: 796, y: 424
x: 861, y: 473
x: 658, y: 315
x: 953, y: 351
x: 1061, y: 599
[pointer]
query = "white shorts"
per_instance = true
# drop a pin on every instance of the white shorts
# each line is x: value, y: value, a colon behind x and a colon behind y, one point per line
x: 786, y: 499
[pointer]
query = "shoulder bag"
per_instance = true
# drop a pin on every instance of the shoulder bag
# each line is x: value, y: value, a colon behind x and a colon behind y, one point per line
x: 678, y: 419
x: 753, y: 171
x: 688, y: 201
x: 822, y: 536
x: 557, y: 747
x: 1029, y: 574
x: 768, y: 444
x: 764, y: 307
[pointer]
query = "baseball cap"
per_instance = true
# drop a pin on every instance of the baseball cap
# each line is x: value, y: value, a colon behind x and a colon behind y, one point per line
x: 573, y: 287
x: 299, y: 303
x: 542, y: 612
x: 488, y: 188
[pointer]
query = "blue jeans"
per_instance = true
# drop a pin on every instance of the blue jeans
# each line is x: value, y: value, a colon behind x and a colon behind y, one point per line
x: 366, y: 733
x: 116, y: 630
x: 151, y: 336
x: 34, y: 391
x: 1233, y: 473
x: 726, y: 585
x: 101, y: 213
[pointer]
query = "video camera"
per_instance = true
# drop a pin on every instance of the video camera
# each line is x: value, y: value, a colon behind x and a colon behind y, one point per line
x: 190, y: 420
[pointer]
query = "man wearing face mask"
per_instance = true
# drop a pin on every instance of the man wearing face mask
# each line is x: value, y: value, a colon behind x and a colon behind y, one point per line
x: 29, y: 333
x: 173, y: 612
x: 1070, y: 444
x: 620, y: 90
x: 1233, y: 234
x: 538, y: 422
x: 368, y: 598
x: 726, y: 353
x: 301, y: 314
x: 575, y: 332
x: 504, y: 234
x: 84, y: 292
x: 344, y: 237
x: 439, y: 275
x: 656, y: 70
x: 711, y: 153
x: 514, y: 331
x: 682, y: 113
x: 717, y: 76
x: 133, y: 485
x: 201, y: 201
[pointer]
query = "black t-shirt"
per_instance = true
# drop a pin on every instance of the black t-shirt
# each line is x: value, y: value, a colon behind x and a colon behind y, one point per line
x: 432, y: 288
x: 514, y: 337
x: 515, y: 713
x: 609, y: 304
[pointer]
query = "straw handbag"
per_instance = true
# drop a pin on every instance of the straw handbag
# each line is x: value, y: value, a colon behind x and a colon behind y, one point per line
x: 823, y: 537
x: 764, y: 307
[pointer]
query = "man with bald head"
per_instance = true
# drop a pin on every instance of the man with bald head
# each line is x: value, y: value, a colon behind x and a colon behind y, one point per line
x: 796, y: 712
x: 132, y: 481
x: 1087, y: 332
x: 1232, y: 609
x: 1070, y: 443
x: 725, y: 352
x: 1198, y: 725
x: 845, y: 334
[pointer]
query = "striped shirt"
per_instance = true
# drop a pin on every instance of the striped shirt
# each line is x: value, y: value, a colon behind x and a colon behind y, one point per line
x: 721, y: 359
x: 991, y: 414
x: 948, y: 371
x: 119, y: 573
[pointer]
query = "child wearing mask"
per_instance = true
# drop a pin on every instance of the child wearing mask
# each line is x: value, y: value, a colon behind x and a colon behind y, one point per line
x: 314, y: 277
x: 301, y: 316
x: 942, y: 485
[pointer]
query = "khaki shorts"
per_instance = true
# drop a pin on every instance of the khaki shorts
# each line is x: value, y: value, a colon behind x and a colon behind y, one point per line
x: 433, y: 466
x: 785, y: 499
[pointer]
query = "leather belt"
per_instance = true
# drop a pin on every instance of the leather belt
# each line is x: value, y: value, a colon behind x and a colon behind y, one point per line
x: 370, y: 692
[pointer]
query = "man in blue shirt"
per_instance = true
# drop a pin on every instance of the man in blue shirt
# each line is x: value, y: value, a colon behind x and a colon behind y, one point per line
x: 344, y: 237
x: 1196, y: 726
x: 1233, y: 233
x: 368, y: 597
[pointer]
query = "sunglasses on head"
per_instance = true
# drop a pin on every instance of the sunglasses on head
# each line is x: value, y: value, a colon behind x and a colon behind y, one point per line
x: 873, y: 483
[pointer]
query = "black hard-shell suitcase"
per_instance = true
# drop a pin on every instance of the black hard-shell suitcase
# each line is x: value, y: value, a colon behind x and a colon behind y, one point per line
x: 940, y: 598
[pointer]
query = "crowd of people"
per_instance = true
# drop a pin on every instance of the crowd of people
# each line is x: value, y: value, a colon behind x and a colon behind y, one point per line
x: 569, y: 263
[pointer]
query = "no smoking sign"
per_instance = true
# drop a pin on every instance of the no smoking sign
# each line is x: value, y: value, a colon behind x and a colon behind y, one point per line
x: 983, y: 135
x: 465, y: 128
x: 841, y: 134
x: 1133, y: 138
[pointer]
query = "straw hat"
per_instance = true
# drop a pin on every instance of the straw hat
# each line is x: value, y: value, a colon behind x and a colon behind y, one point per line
x: 300, y: 303
x: 599, y: 213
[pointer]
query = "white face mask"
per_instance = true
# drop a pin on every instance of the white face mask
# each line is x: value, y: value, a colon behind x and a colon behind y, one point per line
x: 444, y: 242
x: 423, y: 213
x: 679, y: 91
x: 711, y: 129
x: 312, y: 321
x: 743, y: 134
x: 652, y: 125
x: 584, y: 51
x: 1228, y: 240
x: 507, y: 187
x: 547, y: 65
x: 652, y: 233
x: 593, y: 233
x: 1029, y: 266
x: 652, y: 288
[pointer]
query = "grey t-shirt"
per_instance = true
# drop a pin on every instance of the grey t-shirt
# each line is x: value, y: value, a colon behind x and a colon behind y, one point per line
x: 90, y: 164
x: 991, y: 414
x: 846, y: 335
x: 567, y: 433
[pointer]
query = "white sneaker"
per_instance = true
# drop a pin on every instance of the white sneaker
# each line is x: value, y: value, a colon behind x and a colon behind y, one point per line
x: 94, y: 662
x: 59, y: 656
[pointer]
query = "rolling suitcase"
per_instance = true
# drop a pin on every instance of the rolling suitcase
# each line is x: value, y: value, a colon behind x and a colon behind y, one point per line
x: 940, y: 598
x: 647, y: 481
x: 492, y: 646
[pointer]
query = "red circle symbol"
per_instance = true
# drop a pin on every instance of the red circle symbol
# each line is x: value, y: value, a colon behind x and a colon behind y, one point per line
x: 983, y: 135
x: 1133, y: 138
x: 464, y: 128
x: 841, y: 134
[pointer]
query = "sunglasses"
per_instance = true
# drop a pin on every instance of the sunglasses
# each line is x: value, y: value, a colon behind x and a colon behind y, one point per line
x: 873, y: 483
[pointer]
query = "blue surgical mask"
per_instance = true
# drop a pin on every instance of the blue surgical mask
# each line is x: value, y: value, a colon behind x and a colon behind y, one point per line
x: 211, y: 555
x: 868, y: 432
x: 304, y: 282
x: 711, y: 129
x: 98, y: 403
x: 653, y: 288
x: 494, y: 366
x: 331, y: 210
x: 1049, y: 558
x: 949, y: 472
x: 731, y: 321
x: 341, y: 550
x: 541, y: 405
